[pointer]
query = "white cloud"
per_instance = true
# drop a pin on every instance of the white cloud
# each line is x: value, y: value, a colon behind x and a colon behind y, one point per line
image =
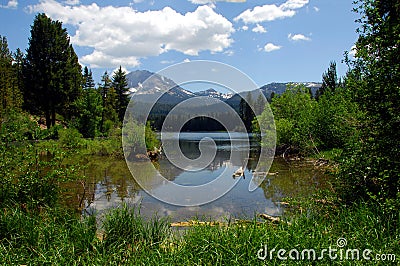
x: 72, y: 2
x: 203, y: 2
x: 259, y: 28
x: 122, y: 35
x: 98, y: 59
x: 186, y: 60
x: 263, y: 13
x: 229, y: 52
x: 271, y: 12
x: 245, y: 28
x: 167, y: 62
x: 298, y: 37
x: 316, y: 8
x: 10, y: 4
x: 269, y: 47
x: 293, y: 4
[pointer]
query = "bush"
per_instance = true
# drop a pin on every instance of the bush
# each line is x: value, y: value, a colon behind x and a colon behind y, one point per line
x: 17, y: 126
x: 108, y: 127
x: 151, y: 138
x: 336, y: 118
x: 294, y: 118
x: 50, y: 133
x: 70, y: 138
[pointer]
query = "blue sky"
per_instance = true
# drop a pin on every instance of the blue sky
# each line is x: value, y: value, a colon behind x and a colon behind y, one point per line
x: 270, y: 40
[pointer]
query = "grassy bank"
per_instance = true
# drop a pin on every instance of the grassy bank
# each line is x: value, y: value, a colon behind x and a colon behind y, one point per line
x: 56, y: 237
x: 34, y: 230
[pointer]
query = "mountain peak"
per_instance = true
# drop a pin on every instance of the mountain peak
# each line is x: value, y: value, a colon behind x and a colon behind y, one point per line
x: 156, y: 84
x: 212, y: 93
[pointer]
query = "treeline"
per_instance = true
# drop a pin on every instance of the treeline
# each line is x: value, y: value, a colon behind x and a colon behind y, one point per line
x: 246, y: 109
x: 48, y: 82
x: 359, y: 115
x: 307, y: 123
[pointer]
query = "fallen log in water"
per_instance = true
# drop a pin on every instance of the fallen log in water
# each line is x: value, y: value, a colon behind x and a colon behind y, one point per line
x: 269, y: 218
x: 238, y: 172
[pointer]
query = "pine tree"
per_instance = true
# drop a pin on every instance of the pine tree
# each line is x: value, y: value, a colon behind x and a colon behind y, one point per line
x: 89, y: 107
x: 245, y: 111
x: 88, y: 82
x: 52, y: 72
x: 18, y: 70
x: 10, y: 94
x: 109, y: 100
x: 120, y: 85
x: 329, y: 80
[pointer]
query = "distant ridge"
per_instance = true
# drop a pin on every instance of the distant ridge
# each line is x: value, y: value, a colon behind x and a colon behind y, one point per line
x: 158, y: 85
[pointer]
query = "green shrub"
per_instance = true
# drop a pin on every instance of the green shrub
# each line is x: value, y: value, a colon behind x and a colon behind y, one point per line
x: 70, y: 138
x: 294, y: 118
x: 17, y: 126
x: 50, y: 133
x: 108, y: 126
x: 151, y: 138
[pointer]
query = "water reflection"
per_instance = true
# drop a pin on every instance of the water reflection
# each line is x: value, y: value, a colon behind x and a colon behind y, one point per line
x: 109, y: 182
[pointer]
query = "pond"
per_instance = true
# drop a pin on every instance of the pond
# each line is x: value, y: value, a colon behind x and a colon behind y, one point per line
x: 109, y: 181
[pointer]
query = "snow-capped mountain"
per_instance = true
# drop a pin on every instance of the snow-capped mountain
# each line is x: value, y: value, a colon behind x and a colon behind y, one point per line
x: 214, y: 94
x: 145, y: 85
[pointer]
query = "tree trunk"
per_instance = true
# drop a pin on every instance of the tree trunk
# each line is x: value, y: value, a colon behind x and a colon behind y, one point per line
x: 53, y: 117
x: 48, y: 120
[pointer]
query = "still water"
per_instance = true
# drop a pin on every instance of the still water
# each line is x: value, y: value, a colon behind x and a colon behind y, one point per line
x: 110, y: 183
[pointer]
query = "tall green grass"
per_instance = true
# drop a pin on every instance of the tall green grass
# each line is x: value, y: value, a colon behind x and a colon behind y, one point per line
x: 52, y: 236
x: 56, y: 237
x: 125, y: 226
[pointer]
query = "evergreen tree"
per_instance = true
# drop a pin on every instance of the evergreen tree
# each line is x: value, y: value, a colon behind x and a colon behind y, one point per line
x: 18, y: 66
x: 249, y: 114
x: 89, y: 107
x: 120, y: 85
x: 90, y: 113
x: 245, y: 111
x: 72, y: 85
x: 109, y: 100
x: 271, y: 96
x: 329, y: 80
x: 52, y: 72
x: 88, y: 82
x: 10, y: 94
x: 242, y: 110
